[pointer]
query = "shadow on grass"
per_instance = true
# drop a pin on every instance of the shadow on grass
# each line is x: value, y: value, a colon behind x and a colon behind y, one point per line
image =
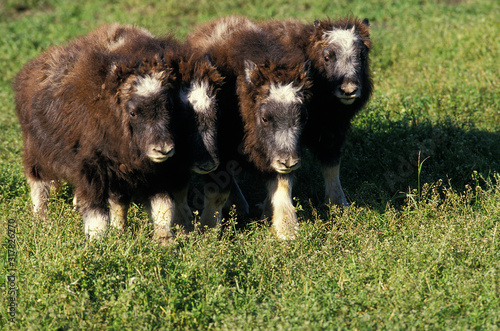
x: 381, y: 159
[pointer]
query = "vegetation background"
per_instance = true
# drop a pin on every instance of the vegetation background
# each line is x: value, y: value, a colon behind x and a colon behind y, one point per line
x: 419, y: 248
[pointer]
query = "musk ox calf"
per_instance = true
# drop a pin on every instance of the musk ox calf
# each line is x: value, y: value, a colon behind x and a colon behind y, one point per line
x: 200, y: 83
x: 338, y: 52
x: 262, y: 114
x: 102, y: 114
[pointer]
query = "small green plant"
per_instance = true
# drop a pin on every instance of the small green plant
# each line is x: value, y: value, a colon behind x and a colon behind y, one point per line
x: 420, y: 165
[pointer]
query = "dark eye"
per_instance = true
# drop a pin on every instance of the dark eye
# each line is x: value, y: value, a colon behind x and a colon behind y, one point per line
x: 264, y: 119
x: 132, y: 114
x: 326, y: 55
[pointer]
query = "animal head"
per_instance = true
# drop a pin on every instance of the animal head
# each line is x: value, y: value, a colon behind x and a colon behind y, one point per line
x: 143, y: 96
x: 198, y: 95
x: 273, y: 101
x: 340, y: 54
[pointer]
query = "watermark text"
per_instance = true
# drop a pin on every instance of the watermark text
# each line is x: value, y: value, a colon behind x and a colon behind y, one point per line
x: 11, y: 270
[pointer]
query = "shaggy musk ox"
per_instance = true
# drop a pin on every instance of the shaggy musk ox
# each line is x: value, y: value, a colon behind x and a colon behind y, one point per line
x: 341, y: 85
x: 102, y: 113
x: 262, y: 114
x: 200, y: 83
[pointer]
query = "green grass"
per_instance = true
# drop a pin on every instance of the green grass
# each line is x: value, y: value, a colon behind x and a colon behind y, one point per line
x: 419, y: 248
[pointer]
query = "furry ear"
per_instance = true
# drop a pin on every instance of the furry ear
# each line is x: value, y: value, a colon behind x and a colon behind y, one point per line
x: 323, y: 24
x: 250, y: 68
x: 366, y: 22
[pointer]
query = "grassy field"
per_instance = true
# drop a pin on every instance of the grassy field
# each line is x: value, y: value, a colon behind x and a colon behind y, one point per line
x: 419, y: 248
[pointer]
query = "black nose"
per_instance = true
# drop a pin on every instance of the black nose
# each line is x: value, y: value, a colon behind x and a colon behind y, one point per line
x: 206, y: 167
x: 348, y: 89
x: 291, y: 163
x: 167, y: 150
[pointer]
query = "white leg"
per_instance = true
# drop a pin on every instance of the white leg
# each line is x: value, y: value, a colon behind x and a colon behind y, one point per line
x: 213, y: 203
x: 182, y: 212
x: 96, y: 222
x: 117, y: 214
x: 285, y: 222
x: 161, y: 211
x: 333, y: 189
x: 75, y: 201
x: 40, y: 192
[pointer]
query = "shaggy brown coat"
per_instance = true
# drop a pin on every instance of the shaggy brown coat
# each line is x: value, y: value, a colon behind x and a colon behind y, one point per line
x: 329, y: 117
x: 258, y: 126
x: 85, y: 121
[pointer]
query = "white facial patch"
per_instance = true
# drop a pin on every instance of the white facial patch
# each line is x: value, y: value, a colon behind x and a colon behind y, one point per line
x: 344, y: 42
x: 286, y: 140
x: 197, y: 97
x: 148, y: 85
x: 284, y: 93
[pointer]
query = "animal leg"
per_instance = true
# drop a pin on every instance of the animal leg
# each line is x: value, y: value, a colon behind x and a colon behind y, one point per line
x: 215, y: 199
x: 237, y: 198
x: 333, y: 189
x: 40, y: 192
x: 279, y: 202
x: 75, y: 201
x: 117, y: 213
x: 160, y: 208
x: 182, y: 212
x: 96, y: 222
